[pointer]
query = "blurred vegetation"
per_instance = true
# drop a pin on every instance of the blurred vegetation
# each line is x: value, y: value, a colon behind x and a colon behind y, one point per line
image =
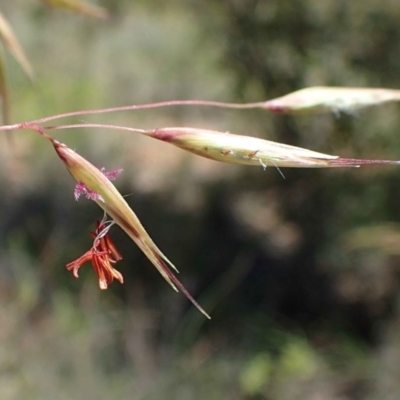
x: 300, y: 275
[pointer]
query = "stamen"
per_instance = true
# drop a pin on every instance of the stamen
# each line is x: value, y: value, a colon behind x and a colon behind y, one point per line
x: 102, y: 255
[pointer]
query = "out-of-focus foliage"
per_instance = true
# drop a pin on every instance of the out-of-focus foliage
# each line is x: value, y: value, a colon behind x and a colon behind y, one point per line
x: 304, y: 301
x: 81, y: 7
x: 4, y: 95
x: 9, y: 41
x: 13, y: 46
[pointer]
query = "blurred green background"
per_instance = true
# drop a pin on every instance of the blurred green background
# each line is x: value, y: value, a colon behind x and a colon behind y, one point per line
x: 300, y: 275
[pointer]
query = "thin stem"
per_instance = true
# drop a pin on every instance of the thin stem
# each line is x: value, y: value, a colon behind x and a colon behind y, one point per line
x: 29, y: 126
x: 151, y: 105
x: 90, y: 125
x: 10, y: 127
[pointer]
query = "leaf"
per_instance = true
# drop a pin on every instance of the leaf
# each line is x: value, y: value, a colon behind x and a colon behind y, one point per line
x: 80, y: 7
x: 12, y: 44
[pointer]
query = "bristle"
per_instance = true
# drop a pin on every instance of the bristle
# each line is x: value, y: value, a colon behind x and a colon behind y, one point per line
x: 354, y: 162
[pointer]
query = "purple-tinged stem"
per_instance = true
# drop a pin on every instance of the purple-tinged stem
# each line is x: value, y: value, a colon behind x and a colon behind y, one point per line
x: 90, y: 125
x: 10, y: 127
x: 152, y: 105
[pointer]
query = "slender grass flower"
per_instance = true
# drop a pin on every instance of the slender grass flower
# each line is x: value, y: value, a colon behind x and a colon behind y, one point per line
x: 239, y: 149
x: 330, y: 99
x: 102, y: 255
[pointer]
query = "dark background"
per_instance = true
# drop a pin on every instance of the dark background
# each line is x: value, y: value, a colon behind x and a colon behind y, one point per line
x: 300, y: 275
